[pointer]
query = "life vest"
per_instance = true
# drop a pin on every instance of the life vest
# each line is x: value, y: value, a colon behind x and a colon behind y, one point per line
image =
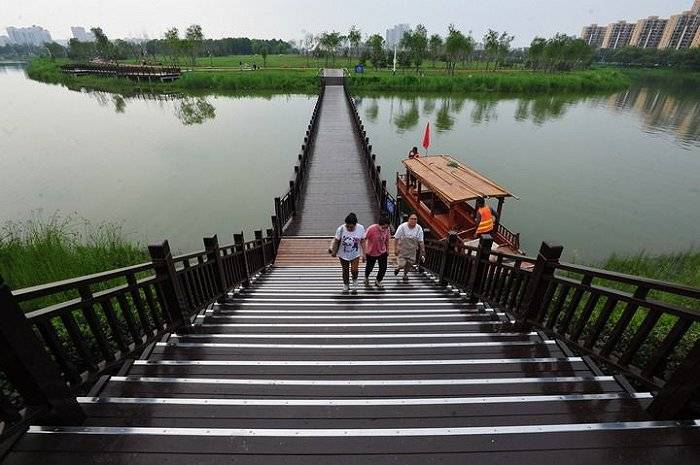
x: 486, y: 223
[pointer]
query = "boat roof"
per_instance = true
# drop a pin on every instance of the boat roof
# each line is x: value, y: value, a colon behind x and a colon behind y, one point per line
x: 453, y: 180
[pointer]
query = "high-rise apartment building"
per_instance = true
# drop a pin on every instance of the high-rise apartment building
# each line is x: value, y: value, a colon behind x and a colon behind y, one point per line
x: 34, y: 35
x: 4, y: 40
x: 696, y: 40
x: 648, y: 32
x: 681, y: 30
x: 81, y: 34
x: 593, y: 35
x: 696, y: 7
x: 395, y: 34
x: 618, y: 35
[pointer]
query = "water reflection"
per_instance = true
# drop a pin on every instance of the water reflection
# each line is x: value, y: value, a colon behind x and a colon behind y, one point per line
x: 194, y: 110
x: 189, y: 110
x: 660, y: 110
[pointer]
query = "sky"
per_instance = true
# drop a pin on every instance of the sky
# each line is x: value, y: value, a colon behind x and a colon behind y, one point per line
x: 290, y: 19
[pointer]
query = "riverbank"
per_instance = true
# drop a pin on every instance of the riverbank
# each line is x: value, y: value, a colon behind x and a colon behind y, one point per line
x: 281, y: 81
x: 42, y: 250
x: 287, y: 80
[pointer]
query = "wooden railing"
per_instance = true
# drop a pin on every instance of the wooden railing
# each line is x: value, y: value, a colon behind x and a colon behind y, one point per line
x: 624, y: 322
x: 118, y: 69
x: 57, y: 339
x: 387, y: 203
x: 286, y: 206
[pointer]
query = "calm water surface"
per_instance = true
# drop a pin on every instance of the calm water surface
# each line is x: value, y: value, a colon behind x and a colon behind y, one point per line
x: 598, y: 174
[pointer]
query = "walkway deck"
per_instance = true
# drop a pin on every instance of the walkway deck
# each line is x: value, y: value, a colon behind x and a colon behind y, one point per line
x: 337, y: 182
x: 291, y: 372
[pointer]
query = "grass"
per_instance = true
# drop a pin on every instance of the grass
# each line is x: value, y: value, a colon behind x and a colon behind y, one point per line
x: 43, y: 250
x: 521, y: 82
x: 227, y: 77
x: 286, y: 81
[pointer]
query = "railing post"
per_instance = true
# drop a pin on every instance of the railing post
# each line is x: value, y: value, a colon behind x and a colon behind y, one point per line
x: 671, y: 402
x: 259, y: 239
x: 239, y: 244
x: 483, y: 254
x: 170, y: 285
x: 278, y: 215
x: 270, y: 233
x: 447, y: 256
x: 293, y: 198
x: 547, y: 260
x: 29, y: 368
x: 277, y: 233
x: 211, y: 247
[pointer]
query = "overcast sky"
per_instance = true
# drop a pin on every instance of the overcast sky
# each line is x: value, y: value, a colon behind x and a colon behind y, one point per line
x: 287, y: 19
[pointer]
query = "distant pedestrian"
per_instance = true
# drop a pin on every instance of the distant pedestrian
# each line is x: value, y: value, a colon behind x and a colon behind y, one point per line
x: 347, y: 245
x: 414, y: 153
x: 377, y: 249
x: 409, y: 245
x: 485, y: 218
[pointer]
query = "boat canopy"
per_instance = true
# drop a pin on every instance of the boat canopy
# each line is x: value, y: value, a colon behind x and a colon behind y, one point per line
x: 452, y: 180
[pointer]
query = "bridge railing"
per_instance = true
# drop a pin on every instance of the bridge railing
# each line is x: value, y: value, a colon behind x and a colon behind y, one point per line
x: 385, y: 200
x: 286, y: 205
x: 120, y: 69
x: 644, y: 329
x: 57, y: 339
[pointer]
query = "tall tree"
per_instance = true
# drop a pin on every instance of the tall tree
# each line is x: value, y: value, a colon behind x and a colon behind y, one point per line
x: 173, y: 43
x: 194, y: 38
x: 535, y: 53
x: 435, y: 47
x: 491, y: 46
x: 504, y: 41
x: 103, y: 46
x: 355, y: 38
x: 456, y: 46
x: 375, y: 43
x: 416, y: 43
x: 329, y: 43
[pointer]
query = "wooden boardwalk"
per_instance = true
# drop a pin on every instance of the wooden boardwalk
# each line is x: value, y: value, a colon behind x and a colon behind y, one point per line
x: 284, y: 368
x: 338, y: 182
x: 289, y: 371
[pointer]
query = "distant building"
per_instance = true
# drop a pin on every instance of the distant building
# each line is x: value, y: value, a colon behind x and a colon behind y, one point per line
x: 696, y: 7
x: 648, y: 32
x: 4, y: 40
x: 681, y: 30
x: 395, y: 34
x: 34, y: 35
x: 696, y: 40
x: 618, y: 35
x: 593, y: 35
x: 81, y: 34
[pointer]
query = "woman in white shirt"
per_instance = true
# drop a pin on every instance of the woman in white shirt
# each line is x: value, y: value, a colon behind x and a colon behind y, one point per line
x: 409, y: 241
x: 348, y: 247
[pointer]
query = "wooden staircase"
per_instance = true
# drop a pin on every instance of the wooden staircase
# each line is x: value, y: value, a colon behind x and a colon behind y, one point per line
x: 292, y: 371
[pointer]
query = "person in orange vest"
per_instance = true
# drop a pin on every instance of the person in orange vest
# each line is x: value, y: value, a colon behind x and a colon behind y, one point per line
x: 485, y: 218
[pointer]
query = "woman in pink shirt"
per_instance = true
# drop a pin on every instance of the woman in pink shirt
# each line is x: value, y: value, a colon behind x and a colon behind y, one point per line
x: 377, y: 249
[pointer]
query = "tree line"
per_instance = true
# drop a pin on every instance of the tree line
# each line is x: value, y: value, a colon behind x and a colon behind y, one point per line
x: 179, y: 47
x: 650, y: 57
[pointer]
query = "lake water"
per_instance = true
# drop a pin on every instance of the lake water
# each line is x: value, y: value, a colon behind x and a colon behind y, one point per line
x: 597, y: 174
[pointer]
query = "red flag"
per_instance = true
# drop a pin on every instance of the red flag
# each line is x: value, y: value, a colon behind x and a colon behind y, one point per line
x: 426, y: 137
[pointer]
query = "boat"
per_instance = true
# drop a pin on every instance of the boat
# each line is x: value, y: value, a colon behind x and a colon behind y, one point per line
x: 443, y: 193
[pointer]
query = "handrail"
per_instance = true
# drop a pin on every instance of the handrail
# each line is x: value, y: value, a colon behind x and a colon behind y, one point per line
x: 636, y: 334
x: 386, y: 202
x: 85, y: 327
